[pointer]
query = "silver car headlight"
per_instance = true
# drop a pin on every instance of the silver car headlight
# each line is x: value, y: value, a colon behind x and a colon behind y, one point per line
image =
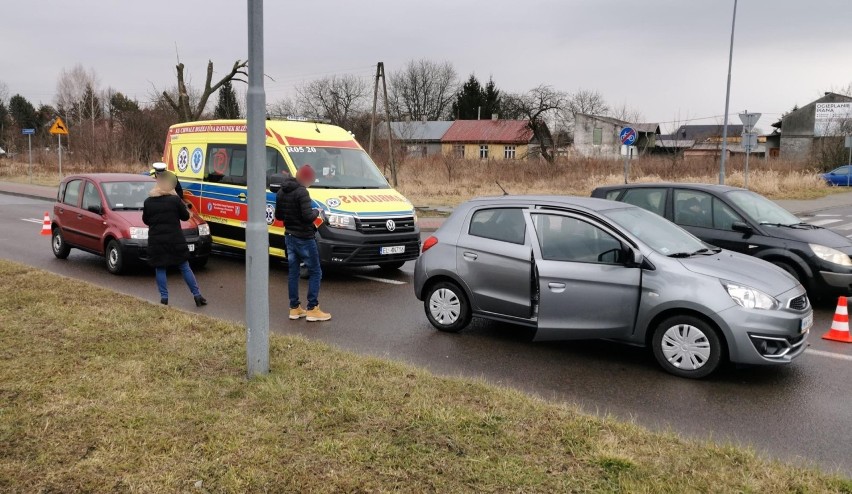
x: 204, y: 230
x: 750, y: 298
x: 344, y: 221
x: 833, y: 256
x: 139, y: 233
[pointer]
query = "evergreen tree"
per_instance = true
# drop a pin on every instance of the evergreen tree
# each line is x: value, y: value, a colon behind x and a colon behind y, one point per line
x: 89, y: 103
x: 469, y: 100
x: 23, y: 112
x: 491, y: 100
x: 228, y: 107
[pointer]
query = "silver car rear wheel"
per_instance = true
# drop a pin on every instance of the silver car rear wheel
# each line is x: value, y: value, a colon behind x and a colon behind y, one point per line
x: 687, y: 346
x: 447, y: 307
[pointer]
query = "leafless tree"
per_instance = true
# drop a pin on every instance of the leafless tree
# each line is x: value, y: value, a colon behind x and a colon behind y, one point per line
x: 588, y: 102
x: 4, y: 92
x: 284, y: 107
x: 626, y: 114
x: 537, y: 106
x: 423, y: 89
x: 72, y: 89
x: 337, y: 98
x: 181, y: 104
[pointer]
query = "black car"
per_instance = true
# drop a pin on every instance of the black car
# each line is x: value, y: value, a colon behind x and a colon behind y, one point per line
x: 743, y: 221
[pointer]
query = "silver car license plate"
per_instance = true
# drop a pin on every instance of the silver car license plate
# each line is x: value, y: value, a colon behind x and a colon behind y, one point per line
x: 397, y: 249
x: 807, y: 322
x: 191, y: 247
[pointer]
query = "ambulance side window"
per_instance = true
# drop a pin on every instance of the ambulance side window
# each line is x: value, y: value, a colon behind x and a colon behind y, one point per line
x: 275, y: 164
x: 226, y: 163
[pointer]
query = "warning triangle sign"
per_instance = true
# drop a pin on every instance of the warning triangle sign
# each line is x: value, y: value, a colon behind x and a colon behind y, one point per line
x: 59, y: 127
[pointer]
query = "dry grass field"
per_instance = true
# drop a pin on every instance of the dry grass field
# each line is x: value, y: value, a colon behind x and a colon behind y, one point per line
x: 447, y: 182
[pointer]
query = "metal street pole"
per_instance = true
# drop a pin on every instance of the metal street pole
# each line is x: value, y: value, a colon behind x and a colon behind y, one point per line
x: 60, y: 155
x: 30, y: 148
x: 727, y: 102
x: 257, y: 231
x: 748, y: 152
x: 626, y: 157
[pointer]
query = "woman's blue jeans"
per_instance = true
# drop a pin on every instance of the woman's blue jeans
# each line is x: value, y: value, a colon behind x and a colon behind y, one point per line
x: 188, y: 277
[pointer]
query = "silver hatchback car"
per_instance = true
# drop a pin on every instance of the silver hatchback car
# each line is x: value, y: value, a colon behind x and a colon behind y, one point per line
x: 582, y: 268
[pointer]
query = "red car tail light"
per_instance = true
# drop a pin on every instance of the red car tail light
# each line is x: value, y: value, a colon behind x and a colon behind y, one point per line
x: 429, y: 243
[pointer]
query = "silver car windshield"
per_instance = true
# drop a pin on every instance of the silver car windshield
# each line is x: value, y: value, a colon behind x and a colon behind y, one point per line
x: 656, y: 232
x: 761, y: 209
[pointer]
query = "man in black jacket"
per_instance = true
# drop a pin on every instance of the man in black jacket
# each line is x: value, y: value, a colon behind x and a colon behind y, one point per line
x: 293, y: 207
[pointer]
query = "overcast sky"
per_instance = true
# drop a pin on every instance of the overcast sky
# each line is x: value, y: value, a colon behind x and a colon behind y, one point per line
x: 665, y: 58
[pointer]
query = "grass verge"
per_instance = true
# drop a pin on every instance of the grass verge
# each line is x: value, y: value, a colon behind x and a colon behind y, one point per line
x: 102, y: 392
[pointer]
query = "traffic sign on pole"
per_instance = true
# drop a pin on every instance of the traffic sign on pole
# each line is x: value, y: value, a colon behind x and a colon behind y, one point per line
x: 749, y: 120
x: 27, y: 132
x: 749, y: 142
x: 628, y: 136
x: 58, y: 127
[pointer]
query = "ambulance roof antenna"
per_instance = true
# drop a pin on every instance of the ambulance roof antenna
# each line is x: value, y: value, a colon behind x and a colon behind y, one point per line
x: 501, y: 188
x: 316, y: 127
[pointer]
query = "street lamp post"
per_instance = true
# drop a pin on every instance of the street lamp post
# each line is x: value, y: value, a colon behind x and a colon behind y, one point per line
x: 727, y: 102
x: 257, y: 230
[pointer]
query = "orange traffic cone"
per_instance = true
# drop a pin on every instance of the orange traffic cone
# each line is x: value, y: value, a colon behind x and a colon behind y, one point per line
x: 45, y: 227
x: 840, y: 325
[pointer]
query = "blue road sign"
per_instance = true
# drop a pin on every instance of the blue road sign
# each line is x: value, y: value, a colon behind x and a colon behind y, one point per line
x: 28, y: 132
x: 628, y: 136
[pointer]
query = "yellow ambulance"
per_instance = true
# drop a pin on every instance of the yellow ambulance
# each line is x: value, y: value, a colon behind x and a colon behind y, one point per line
x: 366, y: 221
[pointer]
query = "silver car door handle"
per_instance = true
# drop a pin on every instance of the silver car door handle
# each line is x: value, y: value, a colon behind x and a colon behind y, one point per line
x: 470, y: 256
x: 556, y: 286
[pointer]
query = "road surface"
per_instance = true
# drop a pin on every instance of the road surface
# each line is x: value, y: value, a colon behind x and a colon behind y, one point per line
x: 800, y: 413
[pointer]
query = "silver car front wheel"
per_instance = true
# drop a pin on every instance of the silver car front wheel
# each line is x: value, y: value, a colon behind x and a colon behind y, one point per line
x: 447, y: 307
x: 687, y: 346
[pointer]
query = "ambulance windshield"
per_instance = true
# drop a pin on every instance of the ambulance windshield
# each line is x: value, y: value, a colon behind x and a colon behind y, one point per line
x: 339, y: 168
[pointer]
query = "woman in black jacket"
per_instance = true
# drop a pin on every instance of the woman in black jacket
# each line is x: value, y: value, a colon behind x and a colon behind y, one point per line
x: 163, y: 212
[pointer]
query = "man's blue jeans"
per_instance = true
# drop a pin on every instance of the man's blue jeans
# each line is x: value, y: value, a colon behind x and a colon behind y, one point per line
x: 188, y: 277
x: 303, y: 250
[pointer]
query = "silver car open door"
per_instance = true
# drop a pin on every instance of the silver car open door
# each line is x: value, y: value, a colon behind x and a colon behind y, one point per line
x: 589, y: 286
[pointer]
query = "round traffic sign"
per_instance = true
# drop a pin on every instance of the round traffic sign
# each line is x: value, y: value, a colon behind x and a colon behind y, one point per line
x: 628, y: 136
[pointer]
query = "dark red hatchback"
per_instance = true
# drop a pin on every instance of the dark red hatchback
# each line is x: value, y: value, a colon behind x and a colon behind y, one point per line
x: 101, y: 213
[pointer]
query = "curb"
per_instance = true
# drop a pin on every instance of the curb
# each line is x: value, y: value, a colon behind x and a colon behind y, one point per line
x: 26, y: 195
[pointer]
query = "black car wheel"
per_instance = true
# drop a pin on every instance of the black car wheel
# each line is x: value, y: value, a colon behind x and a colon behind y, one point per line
x: 447, y: 307
x: 789, y: 269
x: 114, y: 258
x: 686, y: 346
x: 58, y: 245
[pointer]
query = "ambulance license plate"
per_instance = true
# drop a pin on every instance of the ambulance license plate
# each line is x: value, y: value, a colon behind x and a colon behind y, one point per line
x: 191, y: 247
x: 397, y: 249
x: 807, y: 322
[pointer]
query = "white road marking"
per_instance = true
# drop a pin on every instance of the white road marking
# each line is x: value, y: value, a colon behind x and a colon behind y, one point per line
x: 824, y: 222
x: 847, y: 226
x: 33, y: 220
x: 380, y: 280
x: 838, y: 356
x: 829, y: 215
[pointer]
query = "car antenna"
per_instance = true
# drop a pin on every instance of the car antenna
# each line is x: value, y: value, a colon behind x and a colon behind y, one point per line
x: 316, y: 127
x: 501, y: 188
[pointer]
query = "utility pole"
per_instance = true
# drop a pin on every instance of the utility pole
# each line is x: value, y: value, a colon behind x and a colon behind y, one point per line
x: 727, y: 102
x: 257, y: 230
x: 375, y: 101
x: 390, y: 133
